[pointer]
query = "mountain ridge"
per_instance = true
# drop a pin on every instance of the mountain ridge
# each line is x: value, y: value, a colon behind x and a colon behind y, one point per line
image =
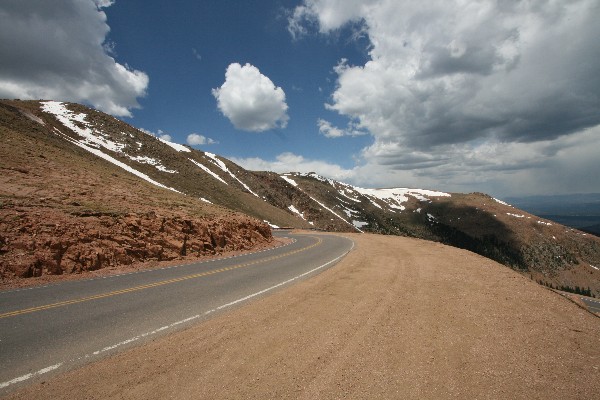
x: 546, y: 251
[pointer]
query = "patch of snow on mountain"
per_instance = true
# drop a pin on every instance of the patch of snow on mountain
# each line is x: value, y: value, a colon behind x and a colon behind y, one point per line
x: 333, y: 212
x: 544, y: 223
x: 296, y: 211
x: 73, y: 121
x: 208, y: 171
x: 359, y: 224
x: 221, y: 164
x: 216, y: 161
x: 395, y: 197
x: 502, y: 202
x: 162, y: 168
x: 152, y: 161
x: 176, y: 146
x: 596, y: 268
x: 516, y: 215
x: 289, y: 180
x: 118, y: 163
x: 345, y: 193
x: 270, y: 224
x: 349, y: 212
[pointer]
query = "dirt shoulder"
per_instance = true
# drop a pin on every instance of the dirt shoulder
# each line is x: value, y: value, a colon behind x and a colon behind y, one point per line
x: 397, y: 318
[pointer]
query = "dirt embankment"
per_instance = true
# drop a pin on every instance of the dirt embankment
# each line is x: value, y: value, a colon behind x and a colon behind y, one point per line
x: 397, y: 318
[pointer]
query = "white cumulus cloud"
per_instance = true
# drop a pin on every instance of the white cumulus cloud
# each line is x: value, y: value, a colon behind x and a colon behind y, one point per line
x: 194, y: 139
x: 58, y: 51
x: 251, y: 100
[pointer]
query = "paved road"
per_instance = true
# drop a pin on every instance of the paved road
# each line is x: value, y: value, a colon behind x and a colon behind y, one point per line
x: 592, y: 305
x: 55, y: 328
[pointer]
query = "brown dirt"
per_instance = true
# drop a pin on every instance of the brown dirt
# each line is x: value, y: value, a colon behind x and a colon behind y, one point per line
x: 397, y: 318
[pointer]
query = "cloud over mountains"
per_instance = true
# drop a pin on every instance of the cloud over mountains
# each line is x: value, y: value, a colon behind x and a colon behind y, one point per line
x: 251, y: 100
x: 50, y: 51
x: 464, y: 86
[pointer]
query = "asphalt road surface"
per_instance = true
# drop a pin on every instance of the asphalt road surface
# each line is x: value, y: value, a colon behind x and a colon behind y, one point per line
x: 45, y: 330
x: 592, y: 305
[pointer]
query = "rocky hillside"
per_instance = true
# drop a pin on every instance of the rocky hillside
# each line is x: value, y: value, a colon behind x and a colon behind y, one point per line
x: 95, y: 166
x: 65, y: 208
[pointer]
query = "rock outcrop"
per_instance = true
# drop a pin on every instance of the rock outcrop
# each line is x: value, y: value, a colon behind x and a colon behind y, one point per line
x: 39, y: 241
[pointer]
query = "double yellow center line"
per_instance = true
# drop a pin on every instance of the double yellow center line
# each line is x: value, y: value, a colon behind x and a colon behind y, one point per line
x: 155, y: 284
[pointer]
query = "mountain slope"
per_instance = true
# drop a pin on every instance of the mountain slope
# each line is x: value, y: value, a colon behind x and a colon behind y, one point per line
x: 65, y: 210
x: 547, y: 252
x: 129, y: 171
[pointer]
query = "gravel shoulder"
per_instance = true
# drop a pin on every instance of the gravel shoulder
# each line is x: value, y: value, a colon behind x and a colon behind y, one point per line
x: 396, y: 318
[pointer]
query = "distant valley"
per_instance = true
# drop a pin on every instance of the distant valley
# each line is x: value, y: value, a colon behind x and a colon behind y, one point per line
x: 581, y: 211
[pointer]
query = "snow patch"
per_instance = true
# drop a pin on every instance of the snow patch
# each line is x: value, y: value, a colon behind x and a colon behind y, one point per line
x: 333, y: 212
x: 270, y: 224
x: 359, y: 224
x: 118, y: 163
x: 394, y: 198
x: 208, y: 171
x: 289, y: 180
x: 94, y: 138
x: 223, y: 167
x: 205, y: 200
x: 544, y: 223
x: 501, y: 202
x: 162, y: 168
x: 152, y: 161
x: 74, y: 122
x: 516, y: 215
x: 176, y: 146
x: 596, y: 268
x: 296, y: 211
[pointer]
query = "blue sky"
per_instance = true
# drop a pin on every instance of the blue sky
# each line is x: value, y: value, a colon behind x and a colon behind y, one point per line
x: 185, y: 48
x: 498, y: 97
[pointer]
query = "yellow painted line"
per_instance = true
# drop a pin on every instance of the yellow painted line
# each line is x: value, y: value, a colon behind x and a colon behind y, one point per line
x: 155, y: 284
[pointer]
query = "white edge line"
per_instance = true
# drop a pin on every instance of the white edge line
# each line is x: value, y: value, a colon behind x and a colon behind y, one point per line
x: 31, y: 375
x: 162, y: 328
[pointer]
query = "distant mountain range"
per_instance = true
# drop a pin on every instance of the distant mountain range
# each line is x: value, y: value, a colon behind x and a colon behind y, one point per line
x: 580, y: 210
x: 88, y: 166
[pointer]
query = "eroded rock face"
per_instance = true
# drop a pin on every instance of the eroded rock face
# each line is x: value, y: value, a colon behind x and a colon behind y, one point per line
x: 35, y: 242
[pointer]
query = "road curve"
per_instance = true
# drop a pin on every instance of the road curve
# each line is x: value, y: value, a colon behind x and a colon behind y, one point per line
x: 58, y: 327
